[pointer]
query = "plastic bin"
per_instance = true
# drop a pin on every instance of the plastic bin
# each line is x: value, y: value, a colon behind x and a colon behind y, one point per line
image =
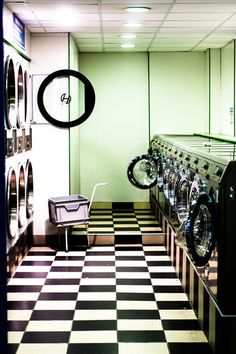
x: 68, y: 210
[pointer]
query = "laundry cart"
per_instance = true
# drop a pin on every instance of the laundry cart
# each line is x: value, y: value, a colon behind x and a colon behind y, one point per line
x: 68, y: 211
x: 71, y: 210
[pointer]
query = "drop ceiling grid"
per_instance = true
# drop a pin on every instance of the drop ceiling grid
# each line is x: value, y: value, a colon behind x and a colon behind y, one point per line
x: 170, y: 25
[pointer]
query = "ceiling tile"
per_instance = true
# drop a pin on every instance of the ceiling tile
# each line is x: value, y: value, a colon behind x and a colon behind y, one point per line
x: 142, y: 2
x: 129, y: 17
x: 139, y: 35
x: 169, y: 25
x: 175, y: 42
x: 205, y: 7
x: 79, y: 35
x: 205, y: 1
x: 231, y: 24
x: 36, y: 29
x: 193, y: 16
x: 74, y: 24
x: 173, y: 34
x: 118, y: 7
x: 184, y: 24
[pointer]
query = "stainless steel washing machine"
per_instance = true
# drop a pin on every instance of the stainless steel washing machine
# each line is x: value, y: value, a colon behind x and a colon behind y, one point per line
x: 209, y: 192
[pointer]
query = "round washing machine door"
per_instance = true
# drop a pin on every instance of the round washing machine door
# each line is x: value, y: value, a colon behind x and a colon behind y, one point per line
x: 161, y: 162
x: 200, y: 229
x: 12, y: 224
x: 21, y: 197
x: 20, y: 98
x: 182, y: 197
x: 10, y: 94
x: 29, y: 190
x: 167, y: 168
x: 142, y: 172
x: 171, y: 183
x: 196, y: 187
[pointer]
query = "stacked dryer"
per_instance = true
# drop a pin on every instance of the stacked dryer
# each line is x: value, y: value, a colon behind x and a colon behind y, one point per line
x: 18, y: 144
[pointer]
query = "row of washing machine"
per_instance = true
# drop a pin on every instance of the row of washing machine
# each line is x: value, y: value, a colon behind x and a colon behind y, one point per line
x: 18, y: 146
x: 193, y: 180
x: 18, y: 135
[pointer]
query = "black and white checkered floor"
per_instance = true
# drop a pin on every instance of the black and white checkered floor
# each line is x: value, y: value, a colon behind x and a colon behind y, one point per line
x: 101, y: 300
x: 124, y: 225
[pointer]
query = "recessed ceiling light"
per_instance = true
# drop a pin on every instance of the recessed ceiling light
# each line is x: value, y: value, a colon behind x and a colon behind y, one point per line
x: 128, y: 35
x: 137, y: 9
x: 65, y: 15
x: 127, y: 45
x: 133, y: 24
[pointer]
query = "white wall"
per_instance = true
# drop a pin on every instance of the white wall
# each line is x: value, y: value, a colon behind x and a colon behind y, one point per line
x: 227, y: 89
x: 215, y: 91
x: 178, y: 92
x: 50, y: 144
x: 117, y: 130
x: 74, y: 133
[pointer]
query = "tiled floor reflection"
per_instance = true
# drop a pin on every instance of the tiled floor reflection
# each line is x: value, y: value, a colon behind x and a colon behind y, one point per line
x: 103, y: 300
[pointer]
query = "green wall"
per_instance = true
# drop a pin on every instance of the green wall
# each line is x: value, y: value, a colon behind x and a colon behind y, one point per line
x: 125, y: 115
x: 139, y: 95
x: 117, y: 130
x: 178, y: 91
x: 214, y: 82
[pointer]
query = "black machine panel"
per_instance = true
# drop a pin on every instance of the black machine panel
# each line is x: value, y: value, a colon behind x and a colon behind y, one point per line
x: 194, y: 184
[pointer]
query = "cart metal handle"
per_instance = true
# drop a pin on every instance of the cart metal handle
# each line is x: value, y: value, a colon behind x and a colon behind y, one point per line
x: 93, y: 193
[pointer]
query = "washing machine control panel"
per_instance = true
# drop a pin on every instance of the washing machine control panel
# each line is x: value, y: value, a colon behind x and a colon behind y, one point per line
x: 218, y: 171
x: 205, y: 168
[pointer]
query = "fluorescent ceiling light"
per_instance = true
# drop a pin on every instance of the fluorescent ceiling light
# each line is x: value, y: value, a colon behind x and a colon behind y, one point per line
x: 65, y: 15
x: 128, y: 35
x: 137, y: 9
x: 127, y: 45
x: 133, y: 24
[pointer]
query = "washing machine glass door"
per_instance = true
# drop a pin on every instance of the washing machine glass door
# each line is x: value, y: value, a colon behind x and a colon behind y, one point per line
x: 200, y: 230
x: 160, y: 169
x: 181, y: 198
x: 171, y: 184
x: 194, y: 191
x: 11, y: 204
x: 10, y: 93
x: 20, y: 98
x: 142, y: 172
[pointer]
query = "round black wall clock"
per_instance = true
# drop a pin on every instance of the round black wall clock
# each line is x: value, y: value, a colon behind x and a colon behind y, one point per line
x: 89, y: 96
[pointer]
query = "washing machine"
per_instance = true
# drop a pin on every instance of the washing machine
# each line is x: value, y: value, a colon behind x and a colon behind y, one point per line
x: 201, y: 225
x: 18, y: 155
x: 19, y: 196
x: 208, y: 195
x: 18, y: 134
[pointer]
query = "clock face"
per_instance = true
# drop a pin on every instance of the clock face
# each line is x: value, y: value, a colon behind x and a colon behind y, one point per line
x: 59, y: 98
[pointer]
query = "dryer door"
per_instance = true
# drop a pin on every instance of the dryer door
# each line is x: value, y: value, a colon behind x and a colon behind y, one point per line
x: 200, y: 229
x: 181, y: 198
x: 142, y: 172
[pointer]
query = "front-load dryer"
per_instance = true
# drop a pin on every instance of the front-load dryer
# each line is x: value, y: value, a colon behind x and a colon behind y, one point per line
x: 142, y: 171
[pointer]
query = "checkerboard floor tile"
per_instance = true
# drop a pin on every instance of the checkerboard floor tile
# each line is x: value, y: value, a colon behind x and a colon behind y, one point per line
x: 102, y: 300
x: 120, y: 222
